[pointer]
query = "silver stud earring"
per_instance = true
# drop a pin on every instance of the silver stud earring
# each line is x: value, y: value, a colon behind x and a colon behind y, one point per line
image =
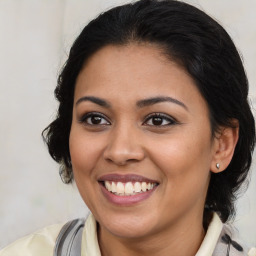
x: 218, y: 166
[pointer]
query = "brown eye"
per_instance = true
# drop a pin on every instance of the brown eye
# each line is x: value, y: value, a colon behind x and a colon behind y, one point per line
x: 159, y: 119
x: 94, y: 119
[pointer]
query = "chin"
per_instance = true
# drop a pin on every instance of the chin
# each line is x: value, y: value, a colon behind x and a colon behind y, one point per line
x: 129, y: 227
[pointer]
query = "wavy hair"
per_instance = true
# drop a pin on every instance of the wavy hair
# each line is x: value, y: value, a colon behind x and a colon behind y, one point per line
x: 202, y: 47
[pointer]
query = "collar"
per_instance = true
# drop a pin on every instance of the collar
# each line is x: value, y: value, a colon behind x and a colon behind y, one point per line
x: 211, y: 238
x: 90, y: 245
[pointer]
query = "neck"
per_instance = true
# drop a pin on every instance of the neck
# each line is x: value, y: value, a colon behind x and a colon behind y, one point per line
x: 179, y: 239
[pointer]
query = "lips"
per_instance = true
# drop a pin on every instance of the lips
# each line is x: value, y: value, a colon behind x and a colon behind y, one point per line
x: 126, y: 178
x: 126, y: 189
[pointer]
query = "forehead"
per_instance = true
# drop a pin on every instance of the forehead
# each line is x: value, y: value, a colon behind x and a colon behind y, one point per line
x: 132, y: 72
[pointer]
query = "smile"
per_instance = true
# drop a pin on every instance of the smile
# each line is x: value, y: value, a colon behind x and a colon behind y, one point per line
x: 128, y: 188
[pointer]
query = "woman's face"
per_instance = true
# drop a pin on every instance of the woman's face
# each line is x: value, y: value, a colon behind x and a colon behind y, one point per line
x: 140, y: 142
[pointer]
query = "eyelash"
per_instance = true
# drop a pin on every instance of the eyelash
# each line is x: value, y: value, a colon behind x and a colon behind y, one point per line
x: 170, y: 120
x: 93, y: 114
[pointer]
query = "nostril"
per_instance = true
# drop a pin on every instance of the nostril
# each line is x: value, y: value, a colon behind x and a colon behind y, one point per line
x: 123, y: 156
x: 119, y: 162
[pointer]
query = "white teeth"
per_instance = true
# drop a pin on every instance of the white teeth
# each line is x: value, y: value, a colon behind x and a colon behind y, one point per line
x: 113, y: 189
x: 144, y: 186
x: 108, y: 185
x: 120, y: 188
x: 128, y: 188
x: 137, y: 187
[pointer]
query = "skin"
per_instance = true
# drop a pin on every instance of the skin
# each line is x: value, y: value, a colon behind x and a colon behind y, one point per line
x: 178, y: 154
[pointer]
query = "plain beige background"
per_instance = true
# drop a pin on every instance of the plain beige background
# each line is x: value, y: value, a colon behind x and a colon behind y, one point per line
x: 35, y: 37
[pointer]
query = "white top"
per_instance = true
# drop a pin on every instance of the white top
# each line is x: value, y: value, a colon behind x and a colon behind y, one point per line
x: 41, y: 243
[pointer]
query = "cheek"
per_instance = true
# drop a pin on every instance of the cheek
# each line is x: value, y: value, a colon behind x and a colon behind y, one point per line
x: 186, y: 176
x: 181, y: 151
x: 85, y: 151
x: 184, y: 160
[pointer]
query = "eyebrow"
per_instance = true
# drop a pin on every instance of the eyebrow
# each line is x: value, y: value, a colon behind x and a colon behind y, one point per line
x: 95, y: 100
x: 140, y: 103
x: 160, y: 99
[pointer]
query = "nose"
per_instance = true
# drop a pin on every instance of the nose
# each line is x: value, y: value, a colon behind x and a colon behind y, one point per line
x: 124, y: 146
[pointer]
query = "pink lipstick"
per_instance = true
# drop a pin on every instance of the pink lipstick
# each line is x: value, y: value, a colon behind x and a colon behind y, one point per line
x: 126, y: 189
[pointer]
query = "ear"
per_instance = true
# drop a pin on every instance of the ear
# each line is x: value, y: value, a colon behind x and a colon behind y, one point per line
x: 224, y: 146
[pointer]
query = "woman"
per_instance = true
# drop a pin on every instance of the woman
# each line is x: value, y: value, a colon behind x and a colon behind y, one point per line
x: 155, y: 128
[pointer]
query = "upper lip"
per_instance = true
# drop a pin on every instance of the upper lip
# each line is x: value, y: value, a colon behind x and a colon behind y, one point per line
x: 125, y: 178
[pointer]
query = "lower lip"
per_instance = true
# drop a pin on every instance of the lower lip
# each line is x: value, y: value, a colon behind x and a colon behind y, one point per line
x: 126, y: 200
